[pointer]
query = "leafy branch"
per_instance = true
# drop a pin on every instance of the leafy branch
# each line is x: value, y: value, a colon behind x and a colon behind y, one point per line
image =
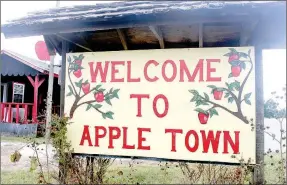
x: 99, y: 92
x: 230, y: 90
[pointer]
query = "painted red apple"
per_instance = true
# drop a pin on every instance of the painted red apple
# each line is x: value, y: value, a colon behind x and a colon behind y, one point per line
x: 99, y: 96
x: 86, y: 87
x: 217, y: 94
x: 203, y: 118
x: 79, y: 62
x: 233, y: 57
x: 235, y: 70
x: 78, y: 73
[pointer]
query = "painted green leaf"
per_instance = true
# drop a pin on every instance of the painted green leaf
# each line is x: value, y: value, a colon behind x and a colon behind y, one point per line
x: 97, y: 106
x: 204, y: 103
x: 116, y: 95
x: 108, y: 101
x: 194, y: 92
x: 230, y: 75
x: 243, y: 65
x: 104, y: 115
x: 98, y: 86
x: 206, y: 96
x: 116, y: 90
x: 69, y: 94
x: 211, y: 86
x: 69, y: 59
x: 200, y: 110
x: 232, y: 50
x: 88, y: 107
x: 77, y: 84
x: 235, y: 62
x: 227, y: 54
x: 244, y: 55
x: 226, y: 95
x: 249, y: 51
x: 247, y: 101
x: 70, y: 87
x: 81, y: 57
x: 230, y: 99
x: 247, y: 96
x: 213, y: 112
x: 193, y: 99
x: 109, y: 115
x: 86, y: 81
x: 75, y: 57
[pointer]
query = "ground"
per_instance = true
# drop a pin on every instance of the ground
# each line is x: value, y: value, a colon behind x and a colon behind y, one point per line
x: 142, y: 171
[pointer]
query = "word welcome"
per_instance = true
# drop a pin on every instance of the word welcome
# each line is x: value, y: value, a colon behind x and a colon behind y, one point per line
x: 202, y: 69
x: 209, y: 139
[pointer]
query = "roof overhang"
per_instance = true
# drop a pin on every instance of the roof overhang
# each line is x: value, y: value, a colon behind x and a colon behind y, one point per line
x: 130, y: 14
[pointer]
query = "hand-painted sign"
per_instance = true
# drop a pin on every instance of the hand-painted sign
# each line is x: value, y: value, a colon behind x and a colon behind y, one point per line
x: 185, y: 104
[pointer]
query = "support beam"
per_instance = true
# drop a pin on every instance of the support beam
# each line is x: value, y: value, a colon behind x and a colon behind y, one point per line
x: 200, y: 35
x: 64, y: 38
x: 158, y: 34
x: 31, y: 80
x: 123, y: 39
x: 63, y: 77
x: 259, y: 168
x: 35, y: 107
x: 36, y: 84
x: 246, y: 32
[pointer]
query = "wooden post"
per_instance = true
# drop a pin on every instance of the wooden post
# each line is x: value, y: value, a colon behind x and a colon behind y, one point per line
x: 36, y: 84
x: 259, y: 169
x: 63, y: 77
x: 35, y: 107
x: 62, y: 173
x: 49, y: 107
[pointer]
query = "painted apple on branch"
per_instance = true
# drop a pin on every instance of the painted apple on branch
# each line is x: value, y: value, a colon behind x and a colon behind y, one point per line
x: 234, y: 91
x: 235, y: 70
x: 99, y: 96
x: 217, y: 94
x: 203, y: 117
x: 86, y: 88
x: 78, y: 73
x: 78, y: 62
x: 102, y: 96
x: 233, y: 57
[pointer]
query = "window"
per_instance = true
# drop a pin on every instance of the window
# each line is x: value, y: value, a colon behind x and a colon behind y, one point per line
x: 18, y: 92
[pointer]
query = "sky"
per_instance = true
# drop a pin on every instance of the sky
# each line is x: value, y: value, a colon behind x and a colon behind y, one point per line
x: 274, y: 60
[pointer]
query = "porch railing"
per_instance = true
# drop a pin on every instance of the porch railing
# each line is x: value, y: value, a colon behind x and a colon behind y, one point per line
x: 15, y: 112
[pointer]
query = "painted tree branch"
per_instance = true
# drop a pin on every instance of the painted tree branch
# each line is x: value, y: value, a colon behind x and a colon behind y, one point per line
x: 99, y: 96
x: 243, y: 83
x: 238, y: 100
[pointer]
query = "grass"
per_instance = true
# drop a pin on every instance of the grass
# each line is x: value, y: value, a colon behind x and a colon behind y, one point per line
x: 141, y: 173
x: 122, y: 173
x: 19, y: 177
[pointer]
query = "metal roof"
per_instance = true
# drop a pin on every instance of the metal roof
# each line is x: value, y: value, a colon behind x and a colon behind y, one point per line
x: 129, y: 14
x: 14, y: 64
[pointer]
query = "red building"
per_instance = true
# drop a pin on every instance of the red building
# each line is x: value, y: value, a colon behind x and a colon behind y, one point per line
x: 24, y: 86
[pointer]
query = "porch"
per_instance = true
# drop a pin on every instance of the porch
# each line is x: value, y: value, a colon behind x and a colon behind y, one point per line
x: 24, y: 86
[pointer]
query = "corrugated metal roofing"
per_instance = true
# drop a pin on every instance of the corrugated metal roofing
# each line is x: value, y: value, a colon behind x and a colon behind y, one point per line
x: 14, y: 64
x: 126, y: 14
